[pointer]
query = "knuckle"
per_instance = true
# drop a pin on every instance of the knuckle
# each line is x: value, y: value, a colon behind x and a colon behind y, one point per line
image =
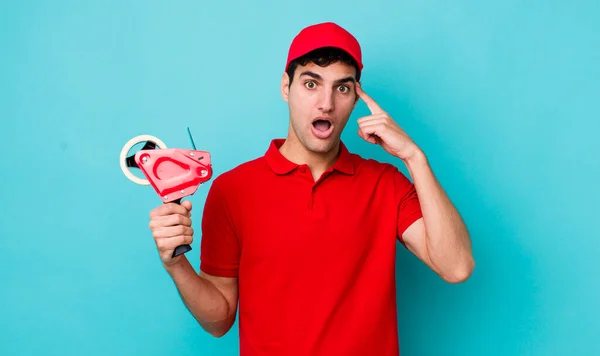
x: 158, y: 211
x: 185, y: 239
x: 154, y: 223
x: 157, y: 233
x: 165, y: 256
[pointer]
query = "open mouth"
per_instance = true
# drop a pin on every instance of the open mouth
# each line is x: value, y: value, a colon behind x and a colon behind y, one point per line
x: 322, y: 124
x: 322, y: 127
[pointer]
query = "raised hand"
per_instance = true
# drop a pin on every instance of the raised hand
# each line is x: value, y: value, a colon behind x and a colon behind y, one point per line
x: 379, y: 128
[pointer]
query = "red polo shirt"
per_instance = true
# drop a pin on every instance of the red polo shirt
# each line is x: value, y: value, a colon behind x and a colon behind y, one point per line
x: 315, y: 260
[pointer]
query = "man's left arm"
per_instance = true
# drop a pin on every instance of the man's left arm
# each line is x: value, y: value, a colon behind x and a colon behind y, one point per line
x: 440, y: 238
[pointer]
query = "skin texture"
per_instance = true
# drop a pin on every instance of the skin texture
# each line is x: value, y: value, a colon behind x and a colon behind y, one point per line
x: 317, y: 92
x: 440, y: 239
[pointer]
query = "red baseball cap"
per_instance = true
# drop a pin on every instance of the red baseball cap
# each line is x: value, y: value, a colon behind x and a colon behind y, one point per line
x: 326, y: 34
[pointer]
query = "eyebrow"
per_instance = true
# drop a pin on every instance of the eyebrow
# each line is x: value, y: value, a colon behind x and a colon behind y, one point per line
x: 318, y: 77
x: 346, y: 80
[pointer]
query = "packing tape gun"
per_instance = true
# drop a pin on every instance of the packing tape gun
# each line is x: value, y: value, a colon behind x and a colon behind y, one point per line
x: 174, y: 173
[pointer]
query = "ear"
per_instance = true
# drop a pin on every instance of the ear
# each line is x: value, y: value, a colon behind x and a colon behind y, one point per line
x: 285, y: 86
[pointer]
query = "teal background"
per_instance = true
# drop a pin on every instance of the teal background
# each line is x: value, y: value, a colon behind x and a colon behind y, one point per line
x: 503, y: 96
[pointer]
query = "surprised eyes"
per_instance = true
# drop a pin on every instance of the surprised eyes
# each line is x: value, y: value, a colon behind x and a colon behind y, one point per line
x: 312, y: 85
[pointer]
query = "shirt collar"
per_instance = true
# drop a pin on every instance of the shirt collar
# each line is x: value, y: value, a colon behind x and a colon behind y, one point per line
x: 281, y: 165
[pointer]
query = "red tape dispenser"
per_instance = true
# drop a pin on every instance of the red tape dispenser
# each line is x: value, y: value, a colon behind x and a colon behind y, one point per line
x: 174, y: 173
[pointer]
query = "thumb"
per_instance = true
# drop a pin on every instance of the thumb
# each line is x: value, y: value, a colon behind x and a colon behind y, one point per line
x: 367, y: 137
x: 187, y: 204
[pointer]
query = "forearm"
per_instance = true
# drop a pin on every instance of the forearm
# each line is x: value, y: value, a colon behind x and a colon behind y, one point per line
x: 202, y: 298
x: 447, y: 238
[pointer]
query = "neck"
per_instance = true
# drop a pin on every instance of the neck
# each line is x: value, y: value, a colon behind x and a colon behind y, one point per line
x: 318, y: 163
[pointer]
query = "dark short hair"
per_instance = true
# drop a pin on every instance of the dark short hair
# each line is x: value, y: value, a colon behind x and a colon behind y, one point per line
x: 323, y: 57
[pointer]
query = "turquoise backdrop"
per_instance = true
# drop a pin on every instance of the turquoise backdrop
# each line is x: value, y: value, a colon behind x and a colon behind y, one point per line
x: 503, y: 96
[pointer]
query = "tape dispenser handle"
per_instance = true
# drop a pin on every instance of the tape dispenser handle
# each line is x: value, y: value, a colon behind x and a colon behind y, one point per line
x: 181, y: 249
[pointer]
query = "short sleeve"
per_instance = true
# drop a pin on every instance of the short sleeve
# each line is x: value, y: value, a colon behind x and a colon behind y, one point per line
x: 220, y: 248
x: 407, y: 202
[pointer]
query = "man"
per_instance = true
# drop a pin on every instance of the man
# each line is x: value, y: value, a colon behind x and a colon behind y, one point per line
x: 304, y: 237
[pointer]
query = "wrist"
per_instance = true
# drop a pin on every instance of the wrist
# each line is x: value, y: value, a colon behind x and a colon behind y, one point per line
x: 175, y: 266
x: 416, y: 156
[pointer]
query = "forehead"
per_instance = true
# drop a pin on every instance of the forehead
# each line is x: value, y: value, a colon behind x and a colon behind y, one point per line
x: 332, y: 72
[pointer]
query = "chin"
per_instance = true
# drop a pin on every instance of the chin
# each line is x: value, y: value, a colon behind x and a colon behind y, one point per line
x: 318, y: 145
x: 312, y: 143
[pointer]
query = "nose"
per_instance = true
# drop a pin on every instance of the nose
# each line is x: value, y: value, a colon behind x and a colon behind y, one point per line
x: 326, y: 100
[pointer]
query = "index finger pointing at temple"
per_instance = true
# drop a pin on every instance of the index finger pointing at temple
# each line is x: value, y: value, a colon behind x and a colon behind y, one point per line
x: 371, y: 104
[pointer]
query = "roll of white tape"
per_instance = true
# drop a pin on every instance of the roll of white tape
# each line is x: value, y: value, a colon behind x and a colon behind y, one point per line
x: 123, y: 157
